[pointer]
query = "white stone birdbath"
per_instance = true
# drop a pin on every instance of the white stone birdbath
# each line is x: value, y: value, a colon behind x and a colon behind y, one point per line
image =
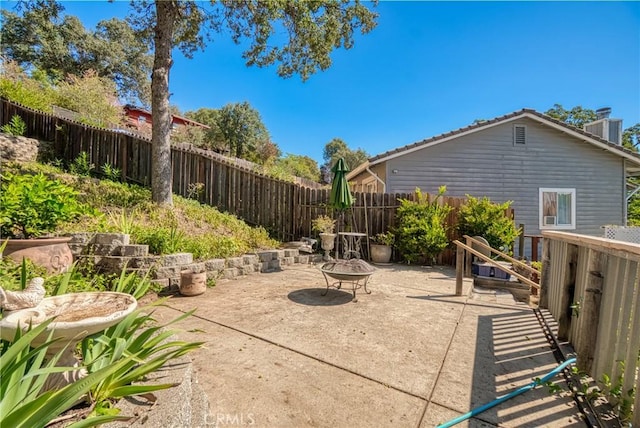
x: 78, y: 315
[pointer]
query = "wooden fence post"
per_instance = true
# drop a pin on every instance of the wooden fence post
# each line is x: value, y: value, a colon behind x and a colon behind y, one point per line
x: 589, y: 312
x: 534, y: 248
x: 469, y: 259
x: 521, y: 241
x: 567, y: 292
x: 544, y: 274
x: 636, y: 413
x: 459, y: 269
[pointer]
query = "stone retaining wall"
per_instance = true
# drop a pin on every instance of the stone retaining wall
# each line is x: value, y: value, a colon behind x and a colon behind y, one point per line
x: 23, y: 149
x: 112, y: 252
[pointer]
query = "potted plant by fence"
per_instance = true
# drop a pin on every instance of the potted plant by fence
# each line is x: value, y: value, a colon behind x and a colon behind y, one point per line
x: 381, y: 247
x: 325, y: 226
x: 31, y: 208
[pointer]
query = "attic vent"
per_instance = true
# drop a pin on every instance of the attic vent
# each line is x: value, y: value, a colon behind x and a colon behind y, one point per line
x: 519, y: 134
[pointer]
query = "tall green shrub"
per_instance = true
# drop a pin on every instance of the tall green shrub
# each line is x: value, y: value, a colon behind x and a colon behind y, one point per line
x: 421, y: 233
x: 481, y: 217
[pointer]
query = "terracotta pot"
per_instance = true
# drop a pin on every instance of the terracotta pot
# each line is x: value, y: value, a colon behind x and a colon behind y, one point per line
x: 380, y: 254
x: 192, y: 284
x: 52, y: 253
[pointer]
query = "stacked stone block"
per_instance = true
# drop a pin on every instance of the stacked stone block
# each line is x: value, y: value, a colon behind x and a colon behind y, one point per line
x: 112, y: 252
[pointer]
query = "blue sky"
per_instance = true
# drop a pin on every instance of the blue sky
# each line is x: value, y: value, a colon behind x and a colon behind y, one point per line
x: 428, y: 68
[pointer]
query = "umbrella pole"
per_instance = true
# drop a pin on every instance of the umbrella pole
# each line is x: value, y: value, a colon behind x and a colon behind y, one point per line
x: 366, y: 224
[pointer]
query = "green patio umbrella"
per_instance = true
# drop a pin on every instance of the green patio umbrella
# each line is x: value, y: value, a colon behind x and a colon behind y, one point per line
x: 340, y: 197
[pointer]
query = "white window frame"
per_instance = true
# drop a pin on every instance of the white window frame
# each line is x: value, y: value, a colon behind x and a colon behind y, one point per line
x: 524, y: 127
x: 569, y: 191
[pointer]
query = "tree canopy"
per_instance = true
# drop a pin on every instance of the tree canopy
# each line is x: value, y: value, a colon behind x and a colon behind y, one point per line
x: 579, y: 116
x: 242, y: 129
x: 297, y: 36
x: 90, y: 97
x: 300, y: 166
x: 42, y: 38
x: 237, y: 129
x: 336, y: 149
x: 631, y: 137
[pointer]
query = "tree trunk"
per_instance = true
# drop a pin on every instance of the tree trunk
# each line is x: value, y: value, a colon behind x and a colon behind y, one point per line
x: 161, y: 180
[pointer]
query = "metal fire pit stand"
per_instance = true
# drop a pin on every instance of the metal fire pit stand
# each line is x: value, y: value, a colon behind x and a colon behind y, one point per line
x: 357, y: 280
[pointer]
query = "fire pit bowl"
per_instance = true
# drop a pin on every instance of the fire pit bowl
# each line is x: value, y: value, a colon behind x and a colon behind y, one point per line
x: 354, y: 271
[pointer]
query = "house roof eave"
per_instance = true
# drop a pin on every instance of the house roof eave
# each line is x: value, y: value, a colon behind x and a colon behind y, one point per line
x: 528, y: 113
x: 358, y: 170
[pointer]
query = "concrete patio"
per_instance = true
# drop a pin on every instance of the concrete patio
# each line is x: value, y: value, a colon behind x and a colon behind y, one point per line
x: 410, y: 354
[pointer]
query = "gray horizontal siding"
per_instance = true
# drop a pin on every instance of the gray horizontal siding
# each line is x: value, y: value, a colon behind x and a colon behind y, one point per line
x: 486, y: 163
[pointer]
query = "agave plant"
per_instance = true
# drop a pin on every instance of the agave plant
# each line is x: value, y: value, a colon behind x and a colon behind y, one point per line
x: 23, y: 404
x: 151, y: 346
x: 115, y: 359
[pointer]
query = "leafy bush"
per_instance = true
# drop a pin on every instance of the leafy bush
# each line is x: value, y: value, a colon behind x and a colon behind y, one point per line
x: 92, y: 97
x: 81, y: 165
x: 633, y: 211
x: 15, y: 127
x: 481, y: 217
x: 111, y: 172
x: 195, y: 191
x: 420, y: 231
x: 209, y: 247
x: 204, y: 231
x: 189, y: 134
x: 16, y: 86
x: 124, y: 221
x: 114, y: 194
x: 33, y: 205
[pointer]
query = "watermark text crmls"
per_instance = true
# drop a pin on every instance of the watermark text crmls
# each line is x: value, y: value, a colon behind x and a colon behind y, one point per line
x: 229, y: 419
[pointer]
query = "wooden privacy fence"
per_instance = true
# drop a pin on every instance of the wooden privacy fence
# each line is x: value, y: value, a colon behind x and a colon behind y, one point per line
x: 285, y: 209
x: 591, y: 286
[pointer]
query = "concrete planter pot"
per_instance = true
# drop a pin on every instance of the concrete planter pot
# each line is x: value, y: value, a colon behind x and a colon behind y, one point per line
x: 327, y: 242
x: 380, y: 254
x: 192, y: 284
x: 52, y: 253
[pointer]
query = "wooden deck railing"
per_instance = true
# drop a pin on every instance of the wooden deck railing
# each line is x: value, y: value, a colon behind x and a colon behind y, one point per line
x: 591, y: 286
x: 464, y: 256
